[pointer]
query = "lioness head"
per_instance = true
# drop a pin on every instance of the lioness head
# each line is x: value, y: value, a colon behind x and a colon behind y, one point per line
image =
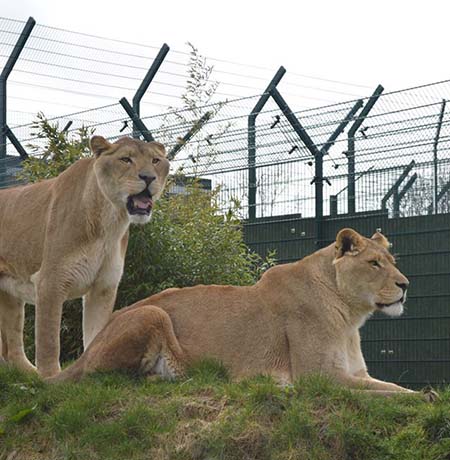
x: 366, y: 273
x: 131, y: 174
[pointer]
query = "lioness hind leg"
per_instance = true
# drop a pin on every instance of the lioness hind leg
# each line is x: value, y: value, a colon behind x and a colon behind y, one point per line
x: 141, y: 339
x: 164, y: 355
x: 156, y: 362
x: 169, y: 365
x: 11, y: 325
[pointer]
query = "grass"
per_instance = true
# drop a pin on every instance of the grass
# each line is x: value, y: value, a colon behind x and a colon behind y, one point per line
x: 205, y: 416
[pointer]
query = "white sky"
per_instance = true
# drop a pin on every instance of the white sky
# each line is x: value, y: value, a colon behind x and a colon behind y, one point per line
x: 397, y: 43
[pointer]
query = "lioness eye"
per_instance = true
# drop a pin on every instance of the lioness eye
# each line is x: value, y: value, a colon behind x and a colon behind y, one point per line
x: 126, y: 160
x: 374, y: 263
x: 155, y: 161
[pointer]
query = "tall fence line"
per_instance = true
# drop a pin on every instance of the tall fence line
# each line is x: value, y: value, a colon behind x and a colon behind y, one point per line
x: 354, y: 152
x: 392, y: 135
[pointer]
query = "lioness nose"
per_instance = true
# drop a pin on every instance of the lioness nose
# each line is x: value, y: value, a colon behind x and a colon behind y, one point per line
x: 403, y: 286
x: 147, y: 179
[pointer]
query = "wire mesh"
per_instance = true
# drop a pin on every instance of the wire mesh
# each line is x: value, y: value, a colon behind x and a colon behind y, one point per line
x: 403, y: 126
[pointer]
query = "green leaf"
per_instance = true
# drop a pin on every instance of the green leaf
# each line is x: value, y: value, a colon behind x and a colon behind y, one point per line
x: 24, y: 413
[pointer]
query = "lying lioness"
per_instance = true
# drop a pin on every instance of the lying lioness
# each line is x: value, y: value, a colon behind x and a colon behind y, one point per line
x: 66, y: 237
x: 299, y: 318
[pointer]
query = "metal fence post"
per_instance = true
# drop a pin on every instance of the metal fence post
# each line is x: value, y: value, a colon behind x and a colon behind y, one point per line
x: 318, y: 161
x: 394, y: 189
x: 333, y: 205
x: 16, y: 143
x: 351, y: 147
x: 252, y: 142
x: 145, y: 84
x: 399, y: 194
x: 340, y: 128
x: 137, y: 122
x: 445, y: 188
x: 435, y: 157
x: 318, y: 155
x: 3, y: 80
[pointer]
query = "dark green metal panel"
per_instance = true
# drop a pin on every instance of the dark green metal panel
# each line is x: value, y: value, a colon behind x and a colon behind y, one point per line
x: 291, y: 237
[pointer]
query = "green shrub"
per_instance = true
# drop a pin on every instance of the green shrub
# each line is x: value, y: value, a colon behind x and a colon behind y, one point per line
x: 55, y: 150
x: 189, y: 240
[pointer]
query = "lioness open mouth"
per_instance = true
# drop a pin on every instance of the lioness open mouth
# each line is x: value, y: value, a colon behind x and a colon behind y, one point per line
x: 140, y: 204
x: 386, y: 305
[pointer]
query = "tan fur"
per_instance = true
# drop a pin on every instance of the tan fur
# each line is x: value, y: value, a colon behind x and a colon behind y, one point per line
x: 299, y: 318
x: 150, y: 348
x: 66, y: 237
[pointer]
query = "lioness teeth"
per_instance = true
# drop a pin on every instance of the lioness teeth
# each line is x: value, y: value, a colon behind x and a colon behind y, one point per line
x: 140, y: 203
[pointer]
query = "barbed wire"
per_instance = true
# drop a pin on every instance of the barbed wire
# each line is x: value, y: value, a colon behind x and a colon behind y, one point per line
x: 179, y: 52
x: 51, y: 53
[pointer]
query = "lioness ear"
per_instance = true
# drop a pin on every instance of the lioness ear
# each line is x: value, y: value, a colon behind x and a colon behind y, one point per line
x: 159, y: 147
x: 349, y: 242
x: 379, y: 238
x: 99, y: 145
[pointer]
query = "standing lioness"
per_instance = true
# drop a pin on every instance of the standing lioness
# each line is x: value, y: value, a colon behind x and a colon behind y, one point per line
x: 66, y: 237
x: 299, y: 318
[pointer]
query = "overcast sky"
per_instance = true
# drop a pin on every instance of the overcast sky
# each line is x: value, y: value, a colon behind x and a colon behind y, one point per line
x: 397, y: 43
